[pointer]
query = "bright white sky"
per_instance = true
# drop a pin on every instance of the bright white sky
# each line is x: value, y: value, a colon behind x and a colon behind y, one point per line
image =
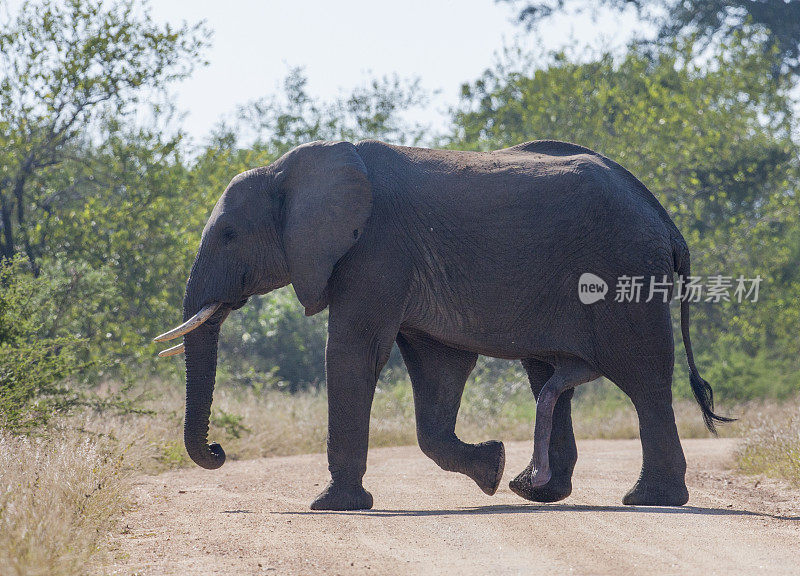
x: 344, y: 43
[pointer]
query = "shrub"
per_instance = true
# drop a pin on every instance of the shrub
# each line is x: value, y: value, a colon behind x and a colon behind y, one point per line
x: 33, y: 365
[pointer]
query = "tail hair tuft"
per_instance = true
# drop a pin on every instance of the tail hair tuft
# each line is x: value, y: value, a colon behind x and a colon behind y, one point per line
x: 705, y: 398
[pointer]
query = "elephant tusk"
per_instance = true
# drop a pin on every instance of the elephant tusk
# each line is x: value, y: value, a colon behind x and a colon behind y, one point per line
x: 179, y: 349
x: 205, y: 313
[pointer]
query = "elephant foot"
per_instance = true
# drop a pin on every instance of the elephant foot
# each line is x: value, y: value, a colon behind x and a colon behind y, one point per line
x: 645, y: 493
x: 343, y: 497
x: 540, y: 478
x: 557, y: 488
x: 490, y: 461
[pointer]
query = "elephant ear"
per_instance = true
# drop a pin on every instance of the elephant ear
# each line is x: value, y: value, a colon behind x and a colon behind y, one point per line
x: 328, y: 200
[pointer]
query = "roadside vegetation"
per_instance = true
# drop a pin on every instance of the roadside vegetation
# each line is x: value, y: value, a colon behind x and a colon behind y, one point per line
x: 255, y: 424
x: 59, y: 497
x: 103, y: 198
x: 770, y: 445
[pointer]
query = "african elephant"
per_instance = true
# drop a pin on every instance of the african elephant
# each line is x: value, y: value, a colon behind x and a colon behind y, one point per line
x: 451, y: 254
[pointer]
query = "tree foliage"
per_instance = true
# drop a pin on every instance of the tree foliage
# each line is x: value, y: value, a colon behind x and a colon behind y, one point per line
x: 65, y: 67
x: 101, y: 211
x: 36, y: 353
x: 282, y: 121
x: 779, y: 20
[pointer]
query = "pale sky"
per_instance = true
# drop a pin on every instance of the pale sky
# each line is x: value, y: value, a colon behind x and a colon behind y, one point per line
x: 344, y: 43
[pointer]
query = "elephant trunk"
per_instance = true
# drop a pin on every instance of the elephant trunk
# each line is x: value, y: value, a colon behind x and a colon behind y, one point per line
x: 201, y: 368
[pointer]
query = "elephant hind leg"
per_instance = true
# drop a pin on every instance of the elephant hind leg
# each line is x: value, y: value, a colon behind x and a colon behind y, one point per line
x: 662, y: 479
x: 563, y: 452
x: 438, y: 374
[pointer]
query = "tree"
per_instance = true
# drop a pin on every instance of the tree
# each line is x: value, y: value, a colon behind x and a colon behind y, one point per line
x: 134, y: 217
x: 283, y: 121
x: 64, y: 68
x: 708, y: 19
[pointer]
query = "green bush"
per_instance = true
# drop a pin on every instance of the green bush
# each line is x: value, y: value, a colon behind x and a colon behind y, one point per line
x: 738, y: 376
x: 53, y: 327
x: 33, y: 365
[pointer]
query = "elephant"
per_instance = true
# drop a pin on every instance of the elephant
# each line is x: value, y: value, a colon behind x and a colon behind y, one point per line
x: 452, y: 254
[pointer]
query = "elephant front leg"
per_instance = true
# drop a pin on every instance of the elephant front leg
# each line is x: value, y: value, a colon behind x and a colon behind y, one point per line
x: 438, y: 374
x: 352, y: 369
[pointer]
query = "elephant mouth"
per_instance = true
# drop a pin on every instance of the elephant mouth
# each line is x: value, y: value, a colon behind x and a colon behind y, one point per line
x: 239, y: 304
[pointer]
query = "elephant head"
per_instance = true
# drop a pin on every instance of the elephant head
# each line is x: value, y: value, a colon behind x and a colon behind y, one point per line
x: 287, y: 222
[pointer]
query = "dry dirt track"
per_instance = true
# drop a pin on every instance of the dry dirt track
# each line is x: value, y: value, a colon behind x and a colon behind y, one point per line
x: 252, y: 517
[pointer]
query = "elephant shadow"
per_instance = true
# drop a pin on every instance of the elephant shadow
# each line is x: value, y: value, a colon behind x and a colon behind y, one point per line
x: 534, y: 508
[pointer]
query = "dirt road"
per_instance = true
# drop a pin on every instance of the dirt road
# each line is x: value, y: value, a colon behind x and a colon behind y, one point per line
x: 252, y: 517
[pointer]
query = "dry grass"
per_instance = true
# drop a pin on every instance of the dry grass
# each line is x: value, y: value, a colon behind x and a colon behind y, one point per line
x: 60, y: 494
x: 599, y: 410
x: 58, y: 497
x: 271, y: 423
x: 248, y: 425
x: 771, y: 442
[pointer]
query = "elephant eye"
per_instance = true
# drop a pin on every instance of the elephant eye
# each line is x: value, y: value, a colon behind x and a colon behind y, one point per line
x: 228, y: 235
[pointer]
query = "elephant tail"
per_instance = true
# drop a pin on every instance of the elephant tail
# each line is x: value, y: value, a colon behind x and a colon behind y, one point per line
x: 701, y: 389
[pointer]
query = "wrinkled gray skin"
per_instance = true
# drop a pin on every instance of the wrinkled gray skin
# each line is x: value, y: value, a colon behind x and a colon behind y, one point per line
x: 453, y: 254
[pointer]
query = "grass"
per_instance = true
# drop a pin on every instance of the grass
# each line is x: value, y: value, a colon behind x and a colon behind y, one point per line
x: 771, y: 445
x: 58, y: 498
x: 252, y: 424
x: 60, y: 493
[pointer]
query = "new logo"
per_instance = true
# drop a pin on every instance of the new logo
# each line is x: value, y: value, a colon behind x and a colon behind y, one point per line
x: 591, y: 288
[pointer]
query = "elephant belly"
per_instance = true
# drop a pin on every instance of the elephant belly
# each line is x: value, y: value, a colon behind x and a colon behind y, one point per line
x: 532, y: 308
x: 502, y: 321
